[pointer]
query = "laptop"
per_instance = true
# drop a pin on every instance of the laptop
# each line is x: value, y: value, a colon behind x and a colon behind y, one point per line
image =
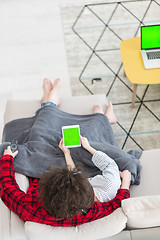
x: 150, y: 46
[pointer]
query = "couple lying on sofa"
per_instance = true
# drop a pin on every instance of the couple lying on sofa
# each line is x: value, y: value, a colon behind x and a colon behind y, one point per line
x: 65, y: 196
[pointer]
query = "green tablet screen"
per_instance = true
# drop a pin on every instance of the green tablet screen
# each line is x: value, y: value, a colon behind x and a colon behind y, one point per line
x: 71, y: 136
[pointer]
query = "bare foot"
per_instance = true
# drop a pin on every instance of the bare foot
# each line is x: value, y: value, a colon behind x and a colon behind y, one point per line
x: 53, y: 95
x: 97, y: 109
x: 47, y: 86
x: 110, y: 114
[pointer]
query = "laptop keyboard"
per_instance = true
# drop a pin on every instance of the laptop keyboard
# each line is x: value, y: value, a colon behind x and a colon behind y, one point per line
x: 153, y: 55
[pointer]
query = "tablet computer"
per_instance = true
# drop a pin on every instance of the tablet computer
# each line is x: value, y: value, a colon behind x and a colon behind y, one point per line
x: 71, y: 136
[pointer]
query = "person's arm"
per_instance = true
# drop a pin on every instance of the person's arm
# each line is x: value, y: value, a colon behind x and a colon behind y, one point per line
x: 126, y: 179
x: 106, y: 208
x: 87, y: 146
x: 12, y: 196
x: 100, y: 210
x: 110, y: 173
x: 106, y: 164
x: 69, y: 161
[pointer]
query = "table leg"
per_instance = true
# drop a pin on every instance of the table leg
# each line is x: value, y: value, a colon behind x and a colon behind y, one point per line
x: 134, y: 95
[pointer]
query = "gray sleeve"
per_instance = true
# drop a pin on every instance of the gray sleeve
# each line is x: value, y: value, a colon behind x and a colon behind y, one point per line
x: 106, y: 164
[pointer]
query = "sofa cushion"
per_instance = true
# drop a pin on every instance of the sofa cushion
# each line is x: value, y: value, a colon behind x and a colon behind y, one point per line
x: 142, y: 212
x: 146, y: 234
x: 101, y: 228
x: 149, y: 175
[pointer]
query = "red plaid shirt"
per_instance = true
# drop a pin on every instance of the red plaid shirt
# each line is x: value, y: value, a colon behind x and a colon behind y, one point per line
x: 28, y: 207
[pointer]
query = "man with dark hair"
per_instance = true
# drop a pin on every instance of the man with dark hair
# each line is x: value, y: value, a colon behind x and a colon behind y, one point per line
x: 62, y: 197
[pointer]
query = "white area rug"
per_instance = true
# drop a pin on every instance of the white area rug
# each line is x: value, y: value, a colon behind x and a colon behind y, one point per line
x: 93, y: 33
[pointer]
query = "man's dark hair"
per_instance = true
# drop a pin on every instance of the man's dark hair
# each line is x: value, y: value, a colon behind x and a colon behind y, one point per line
x: 65, y: 192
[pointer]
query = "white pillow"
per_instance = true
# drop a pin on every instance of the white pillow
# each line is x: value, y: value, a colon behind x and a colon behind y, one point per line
x: 100, y: 228
x: 142, y: 212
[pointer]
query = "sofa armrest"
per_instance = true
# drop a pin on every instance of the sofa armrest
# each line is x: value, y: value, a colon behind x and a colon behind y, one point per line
x: 5, y: 221
x: 11, y: 227
x: 149, y: 176
x: 17, y: 225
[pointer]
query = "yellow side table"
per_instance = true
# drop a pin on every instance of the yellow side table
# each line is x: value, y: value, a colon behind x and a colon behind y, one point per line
x: 134, y: 67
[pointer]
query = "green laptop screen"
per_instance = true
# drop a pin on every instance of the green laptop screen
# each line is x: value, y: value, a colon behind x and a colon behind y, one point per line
x: 71, y: 136
x: 150, y: 37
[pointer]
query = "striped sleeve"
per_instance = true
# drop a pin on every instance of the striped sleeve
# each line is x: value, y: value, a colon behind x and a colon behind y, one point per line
x: 106, y: 164
x: 105, y: 186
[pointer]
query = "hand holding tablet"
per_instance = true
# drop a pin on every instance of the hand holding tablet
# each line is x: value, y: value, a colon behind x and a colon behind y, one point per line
x: 71, y: 136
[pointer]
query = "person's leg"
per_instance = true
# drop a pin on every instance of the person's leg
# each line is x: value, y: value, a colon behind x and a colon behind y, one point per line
x: 109, y: 113
x: 50, y: 92
x: 54, y: 93
x: 97, y: 109
x: 47, y: 86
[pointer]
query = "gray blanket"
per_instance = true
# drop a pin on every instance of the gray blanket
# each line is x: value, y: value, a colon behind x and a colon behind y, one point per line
x: 38, y: 138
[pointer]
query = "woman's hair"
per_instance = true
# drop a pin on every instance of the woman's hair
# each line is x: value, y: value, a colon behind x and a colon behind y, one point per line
x: 65, y: 192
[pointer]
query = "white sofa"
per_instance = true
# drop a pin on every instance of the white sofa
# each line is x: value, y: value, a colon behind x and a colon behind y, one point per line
x: 139, y: 216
